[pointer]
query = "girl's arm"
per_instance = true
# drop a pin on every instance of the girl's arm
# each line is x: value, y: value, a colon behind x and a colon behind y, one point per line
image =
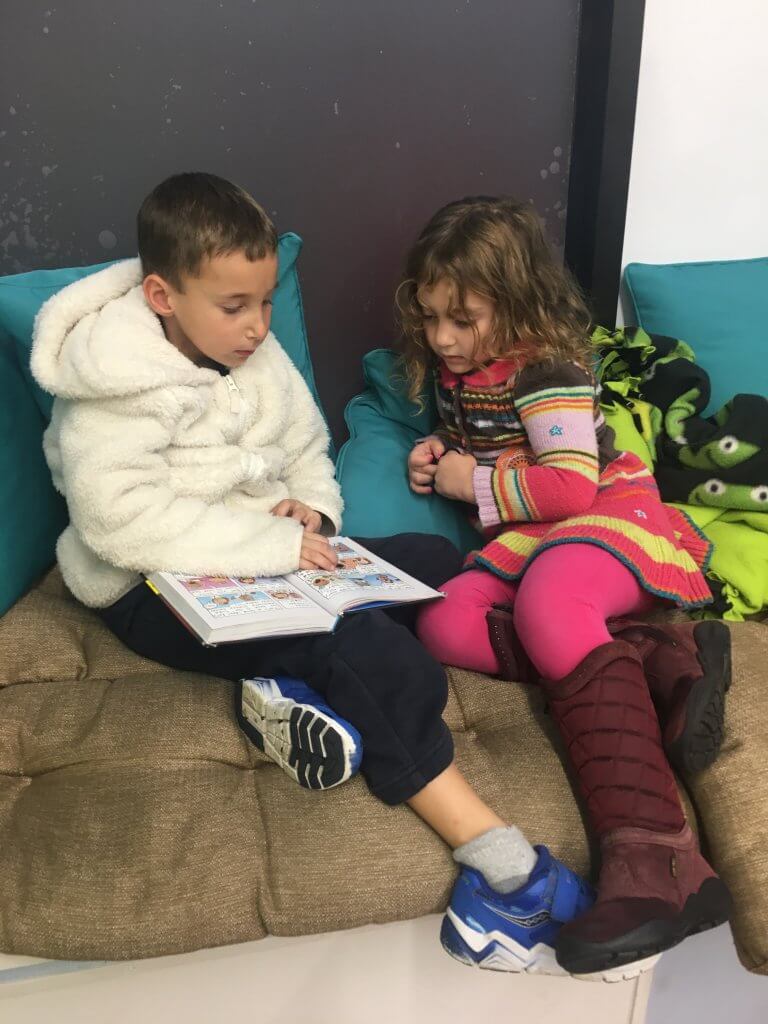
x: 555, y: 403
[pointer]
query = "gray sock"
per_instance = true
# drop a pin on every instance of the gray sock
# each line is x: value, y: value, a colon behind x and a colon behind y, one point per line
x: 503, y: 856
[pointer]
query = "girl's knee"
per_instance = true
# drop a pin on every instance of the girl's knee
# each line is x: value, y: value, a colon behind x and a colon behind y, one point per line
x: 558, y: 627
x: 436, y: 621
x: 455, y: 632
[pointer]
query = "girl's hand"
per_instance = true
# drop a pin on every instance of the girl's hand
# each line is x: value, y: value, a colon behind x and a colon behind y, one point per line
x: 454, y: 477
x: 422, y: 464
x: 317, y: 553
x: 291, y: 508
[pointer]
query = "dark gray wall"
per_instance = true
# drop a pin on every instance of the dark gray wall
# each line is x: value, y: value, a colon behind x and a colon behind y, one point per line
x: 350, y: 120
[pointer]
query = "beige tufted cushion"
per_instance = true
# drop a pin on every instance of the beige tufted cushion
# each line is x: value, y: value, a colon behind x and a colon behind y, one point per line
x: 135, y: 820
x: 732, y: 796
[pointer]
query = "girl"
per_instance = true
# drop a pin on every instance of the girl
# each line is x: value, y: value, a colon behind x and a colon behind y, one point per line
x: 576, y: 535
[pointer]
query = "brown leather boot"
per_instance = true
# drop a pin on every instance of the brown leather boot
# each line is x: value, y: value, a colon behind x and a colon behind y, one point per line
x: 688, y: 668
x: 655, y: 888
x: 657, y: 881
x: 515, y: 664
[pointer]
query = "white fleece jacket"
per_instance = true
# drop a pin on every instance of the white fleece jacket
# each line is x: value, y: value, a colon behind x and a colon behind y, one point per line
x: 166, y: 465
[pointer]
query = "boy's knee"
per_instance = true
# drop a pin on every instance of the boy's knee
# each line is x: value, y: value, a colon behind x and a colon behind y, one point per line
x: 433, y: 683
x: 441, y: 555
x: 442, y: 547
x: 395, y: 652
x: 371, y: 641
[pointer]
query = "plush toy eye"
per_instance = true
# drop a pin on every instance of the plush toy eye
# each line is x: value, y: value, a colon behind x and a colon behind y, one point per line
x: 728, y: 444
x: 760, y: 494
x: 714, y: 487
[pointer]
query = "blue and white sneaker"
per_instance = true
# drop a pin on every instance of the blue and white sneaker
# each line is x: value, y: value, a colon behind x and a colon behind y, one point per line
x: 294, y: 726
x: 517, y: 931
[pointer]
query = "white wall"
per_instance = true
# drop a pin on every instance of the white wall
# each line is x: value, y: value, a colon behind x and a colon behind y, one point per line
x: 698, y: 190
x: 699, y: 181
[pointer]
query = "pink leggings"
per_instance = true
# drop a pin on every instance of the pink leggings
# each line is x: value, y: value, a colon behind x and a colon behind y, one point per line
x: 560, y: 608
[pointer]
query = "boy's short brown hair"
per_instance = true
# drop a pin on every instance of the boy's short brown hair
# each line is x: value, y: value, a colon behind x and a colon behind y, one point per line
x: 193, y: 216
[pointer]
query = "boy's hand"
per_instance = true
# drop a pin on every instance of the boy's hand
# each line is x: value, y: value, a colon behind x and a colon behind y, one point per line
x: 317, y: 553
x: 422, y: 464
x: 291, y: 508
x: 454, y: 477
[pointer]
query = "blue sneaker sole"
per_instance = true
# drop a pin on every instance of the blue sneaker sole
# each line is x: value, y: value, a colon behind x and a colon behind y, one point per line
x: 310, y: 746
x: 494, y: 951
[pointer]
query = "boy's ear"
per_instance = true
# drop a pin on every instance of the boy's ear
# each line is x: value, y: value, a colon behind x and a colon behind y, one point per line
x: 159, y: 295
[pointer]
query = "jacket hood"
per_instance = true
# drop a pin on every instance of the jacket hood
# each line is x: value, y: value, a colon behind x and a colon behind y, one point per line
x: 98, y: 338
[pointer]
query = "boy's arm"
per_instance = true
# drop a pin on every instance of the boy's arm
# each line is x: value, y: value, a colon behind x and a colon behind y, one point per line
x: 308, y: 472
x: 556, y: 407
x: 121, y: 498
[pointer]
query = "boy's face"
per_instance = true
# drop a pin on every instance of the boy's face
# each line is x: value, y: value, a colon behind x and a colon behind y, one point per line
x: 223, y: 314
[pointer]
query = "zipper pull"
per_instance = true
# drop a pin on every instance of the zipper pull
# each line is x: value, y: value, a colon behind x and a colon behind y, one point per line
x: 234, y: 394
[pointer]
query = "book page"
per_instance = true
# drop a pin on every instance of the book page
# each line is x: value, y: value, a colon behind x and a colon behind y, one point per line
x: 361, y: 578
x: 226, y: 598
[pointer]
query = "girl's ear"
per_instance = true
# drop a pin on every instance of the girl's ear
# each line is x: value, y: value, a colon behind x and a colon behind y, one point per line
x: 159, y: 295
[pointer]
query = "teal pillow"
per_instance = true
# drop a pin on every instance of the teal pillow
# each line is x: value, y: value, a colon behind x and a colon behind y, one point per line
x: 33, y: 514
x: 22, y: 295
x: 383, y: 425
x: 288, y: 311
x: 720, y: 309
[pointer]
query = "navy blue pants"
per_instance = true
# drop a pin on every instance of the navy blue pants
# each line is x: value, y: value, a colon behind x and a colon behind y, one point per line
x: 372, y: 670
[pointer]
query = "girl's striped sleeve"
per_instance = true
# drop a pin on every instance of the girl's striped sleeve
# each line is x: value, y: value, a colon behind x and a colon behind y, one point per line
x: 556, y: 405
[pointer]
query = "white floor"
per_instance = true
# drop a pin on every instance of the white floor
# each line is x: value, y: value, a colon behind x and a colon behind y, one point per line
x: 373, y: 975
x: 702, y: 981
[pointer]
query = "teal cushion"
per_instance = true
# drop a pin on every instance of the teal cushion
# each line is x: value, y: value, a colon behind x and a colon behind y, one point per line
x: 720, y: 309
x: 33, y: 515
x: 383, y: 425
x: 22, y: 295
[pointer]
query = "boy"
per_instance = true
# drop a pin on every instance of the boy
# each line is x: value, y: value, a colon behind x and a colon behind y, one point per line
x: 184, y: 440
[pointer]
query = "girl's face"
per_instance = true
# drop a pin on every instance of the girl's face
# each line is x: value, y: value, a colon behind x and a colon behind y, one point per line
x: 453, y: 333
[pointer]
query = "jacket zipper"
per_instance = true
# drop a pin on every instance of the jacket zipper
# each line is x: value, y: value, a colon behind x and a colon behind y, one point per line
x: 236, y: 402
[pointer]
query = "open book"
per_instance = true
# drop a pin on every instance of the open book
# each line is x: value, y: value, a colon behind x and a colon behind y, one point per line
x: 223, y: 609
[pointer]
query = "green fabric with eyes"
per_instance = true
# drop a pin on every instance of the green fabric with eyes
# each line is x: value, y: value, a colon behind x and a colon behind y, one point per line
x: 714, y: 468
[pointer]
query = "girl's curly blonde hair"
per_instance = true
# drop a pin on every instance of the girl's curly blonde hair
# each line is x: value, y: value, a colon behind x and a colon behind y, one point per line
x: 496, y: 248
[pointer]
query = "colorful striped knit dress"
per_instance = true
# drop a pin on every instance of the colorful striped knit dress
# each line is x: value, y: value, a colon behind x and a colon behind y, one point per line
x: 548, y: 474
